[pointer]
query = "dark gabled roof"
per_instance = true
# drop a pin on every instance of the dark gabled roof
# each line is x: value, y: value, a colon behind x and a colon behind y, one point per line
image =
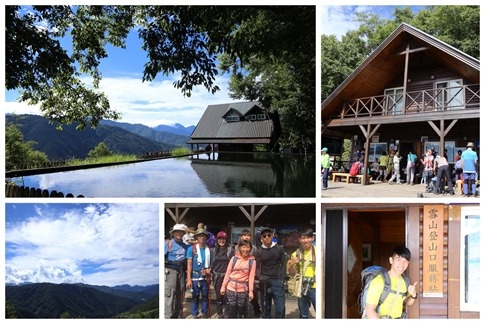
x: 212, y: 124
x: 383, y: 65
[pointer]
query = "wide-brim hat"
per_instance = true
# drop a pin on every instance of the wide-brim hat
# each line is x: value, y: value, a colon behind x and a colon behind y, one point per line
x: 200, y: 231
x: 470, y: 144
x: 179, y: 227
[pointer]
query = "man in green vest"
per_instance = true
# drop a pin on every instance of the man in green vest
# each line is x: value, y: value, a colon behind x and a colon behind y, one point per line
x: 325, y: 161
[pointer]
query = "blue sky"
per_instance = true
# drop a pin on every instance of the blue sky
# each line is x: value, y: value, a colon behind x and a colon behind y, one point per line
x: 98, y: 244
x: 337, y: 20
x: 150, y: 103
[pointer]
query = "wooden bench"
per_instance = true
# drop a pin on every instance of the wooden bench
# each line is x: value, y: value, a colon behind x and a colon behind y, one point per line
x: 339, y: 176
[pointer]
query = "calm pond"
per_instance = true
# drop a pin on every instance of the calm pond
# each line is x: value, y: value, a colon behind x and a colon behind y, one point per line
x: 215, y: 175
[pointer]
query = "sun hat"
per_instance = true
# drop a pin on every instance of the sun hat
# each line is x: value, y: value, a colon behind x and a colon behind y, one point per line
x: 200, y: 231
x: 470, y: 144
x: 179, y: 227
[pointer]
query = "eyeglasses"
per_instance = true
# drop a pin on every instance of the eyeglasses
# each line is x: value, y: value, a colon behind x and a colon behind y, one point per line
x: 267, y: 235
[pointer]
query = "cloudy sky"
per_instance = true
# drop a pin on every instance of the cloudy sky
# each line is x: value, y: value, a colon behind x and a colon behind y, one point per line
x: 99, y: 244
x: 150, y: 103
x: 337, y: 20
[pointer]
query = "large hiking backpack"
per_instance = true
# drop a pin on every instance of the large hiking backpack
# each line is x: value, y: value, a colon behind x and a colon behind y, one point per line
x: 367, y: 275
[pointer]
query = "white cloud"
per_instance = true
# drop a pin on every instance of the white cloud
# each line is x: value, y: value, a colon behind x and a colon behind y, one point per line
x: 337, y: 20
x: 100, y: 244
x: 149, y: 103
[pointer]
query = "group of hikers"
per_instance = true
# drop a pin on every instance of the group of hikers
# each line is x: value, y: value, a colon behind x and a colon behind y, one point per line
x: 248, y: 281
x: 434, y: 169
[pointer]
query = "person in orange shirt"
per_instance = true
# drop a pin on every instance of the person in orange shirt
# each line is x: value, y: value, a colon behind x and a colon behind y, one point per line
x: 238, y: 284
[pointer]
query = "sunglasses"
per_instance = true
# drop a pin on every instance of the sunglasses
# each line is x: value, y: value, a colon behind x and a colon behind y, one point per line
x: 267, y: 235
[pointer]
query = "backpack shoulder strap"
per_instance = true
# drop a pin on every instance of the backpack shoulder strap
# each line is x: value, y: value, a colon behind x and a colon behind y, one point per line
x: 234, y: 260
x: 387, y: 286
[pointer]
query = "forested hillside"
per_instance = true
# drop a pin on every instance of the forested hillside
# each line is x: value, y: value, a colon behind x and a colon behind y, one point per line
x: 70, y: 143
x: 47, y: 300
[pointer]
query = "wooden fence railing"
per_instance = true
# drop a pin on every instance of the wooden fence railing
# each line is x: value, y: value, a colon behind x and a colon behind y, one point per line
x: 14, y: 191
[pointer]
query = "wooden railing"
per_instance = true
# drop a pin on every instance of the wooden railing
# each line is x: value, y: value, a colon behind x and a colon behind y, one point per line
x: 431, y: 100
x: 14, y: 191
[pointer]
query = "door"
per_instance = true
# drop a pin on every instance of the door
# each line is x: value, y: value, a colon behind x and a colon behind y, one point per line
x: 372, y: 235
x: 394, y: 101
x: 450, y: 95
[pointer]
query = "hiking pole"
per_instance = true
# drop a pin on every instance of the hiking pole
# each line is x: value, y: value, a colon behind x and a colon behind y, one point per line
x: 208, y: 280
x: 182, y: 293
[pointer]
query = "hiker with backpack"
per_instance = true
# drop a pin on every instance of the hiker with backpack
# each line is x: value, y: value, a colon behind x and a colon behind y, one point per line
x: 271, y: 271
x: 385, y: 292
x: 221, y: 254
x: 175, y: 266
x: 246, y: 235
x: 238, y: 284
x: 303, y: 261
x: 199, y: 272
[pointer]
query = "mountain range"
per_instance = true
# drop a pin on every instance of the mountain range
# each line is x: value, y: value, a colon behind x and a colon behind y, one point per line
x: 48, y: 300
x: 120, y: 138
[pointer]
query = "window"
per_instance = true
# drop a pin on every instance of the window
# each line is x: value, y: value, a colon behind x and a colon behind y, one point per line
x: 470, y: 259
x: 394, y: 101
x: 449, y: 147
x: 376, y: 150
x: 232, y: 117
x: 261, y: 116
x: 251, y: 117
x: 449, y: 95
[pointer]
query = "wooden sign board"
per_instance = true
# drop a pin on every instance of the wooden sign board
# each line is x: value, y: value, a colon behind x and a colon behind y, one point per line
x: 433, y: 237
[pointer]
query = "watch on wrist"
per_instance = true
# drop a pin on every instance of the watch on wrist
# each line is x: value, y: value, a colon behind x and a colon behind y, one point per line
x: 414, y: 297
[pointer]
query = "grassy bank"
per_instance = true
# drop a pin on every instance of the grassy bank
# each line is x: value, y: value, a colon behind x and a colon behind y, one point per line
x: 103, y: 159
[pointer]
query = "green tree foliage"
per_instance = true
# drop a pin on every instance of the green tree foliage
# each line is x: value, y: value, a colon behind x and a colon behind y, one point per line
x: 284, y: 79
x: 65, y: 315
x: 340, y: 58
x: 455, y: 25
x: 10, y: 310
x: 458, y: 26
x: 99, y: 151
x: 183, y: 39
x: 18, y: 153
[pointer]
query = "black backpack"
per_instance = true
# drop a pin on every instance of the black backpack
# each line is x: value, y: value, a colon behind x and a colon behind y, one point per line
x: 370, y: 273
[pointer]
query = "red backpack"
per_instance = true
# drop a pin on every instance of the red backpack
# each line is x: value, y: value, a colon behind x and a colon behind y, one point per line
x: 355, y: 169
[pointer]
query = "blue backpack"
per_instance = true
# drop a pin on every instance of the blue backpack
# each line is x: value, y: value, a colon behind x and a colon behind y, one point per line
x: 370, y: 273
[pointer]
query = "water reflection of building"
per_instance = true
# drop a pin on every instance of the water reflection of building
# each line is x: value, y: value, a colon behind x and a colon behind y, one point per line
x: 258, y: 174
x: 247, y: 179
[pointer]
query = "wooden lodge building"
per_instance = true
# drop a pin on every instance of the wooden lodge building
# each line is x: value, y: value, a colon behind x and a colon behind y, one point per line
x: 237, y: 127
x: 412, y: 93
x: 444, y: 240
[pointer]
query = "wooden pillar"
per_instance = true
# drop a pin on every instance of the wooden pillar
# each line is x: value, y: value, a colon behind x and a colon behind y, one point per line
x: 368, y: 133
